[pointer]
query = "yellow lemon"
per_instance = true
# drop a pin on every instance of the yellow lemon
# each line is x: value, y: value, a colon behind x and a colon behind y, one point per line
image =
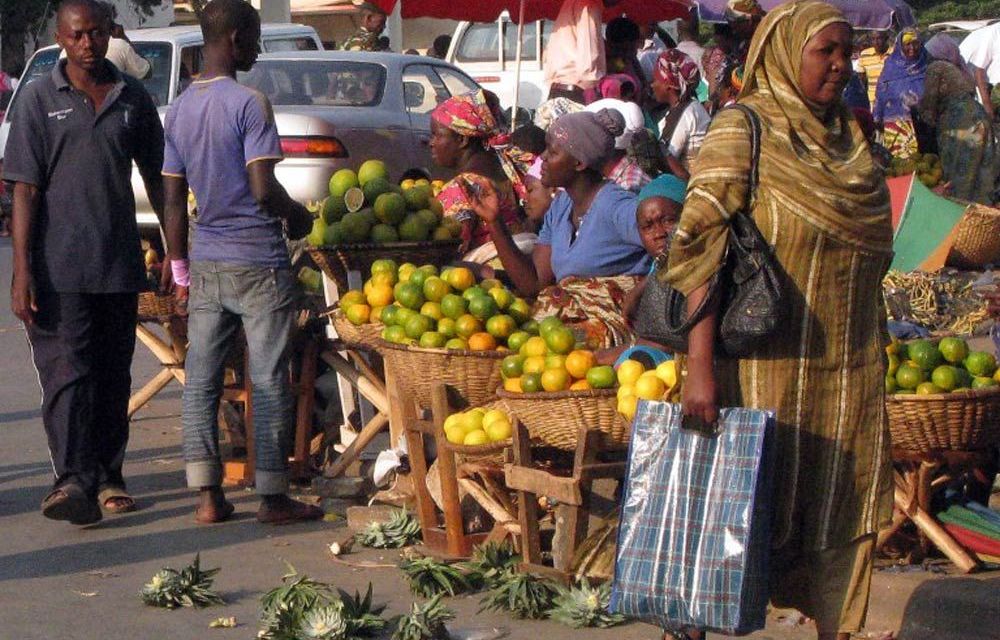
x: 454, y: 434
x: 626, y: 390
x: 629, y: 371
x: 535, y: 346
x: 650, y: 387
x: 492, y: 416
x: 579, y: 362
x: 472, y: 420
x: 667, y: 371
x: 499, y: 430
x: 452, y: 420
x: 627, y: 406
x: 476, y: 438
x: 533, y: 364
x: 513, y: 385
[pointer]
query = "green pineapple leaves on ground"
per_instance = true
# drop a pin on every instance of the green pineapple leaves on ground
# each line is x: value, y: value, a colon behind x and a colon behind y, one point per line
x: 302, y: 608
x: 429, y: 577
x: 523, y: 594
x: 584, y: 606
x: 189, y: 587
x: 401, y: 530
x: 490, y: 562
x: 424, y: 622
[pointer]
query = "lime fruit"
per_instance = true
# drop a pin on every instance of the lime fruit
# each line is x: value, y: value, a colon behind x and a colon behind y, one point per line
x: 333, y: 209
x: 484, y: 307
x: 374, y: 188
x: 909, y: 377
x: 432, y: 310
x: 548, y: 324
x: 394, y: 334
x: 954, y: 350
x: 453, y: 306
x: 502, y: 297
x: 928, y: 389
x: 520, y: 310
x: 413, y: 229
x: 457, y: 343
x: 355, y: 226
x: 981, y: 364
x: 474, y: 291
x: 334, y: 234
x: 925, y: 354
x: 383, y: 234
x: 410, y: 295
x: 435, y: 289
x: 512, y: 366
x: 501, y: 327
x: 467, y: 325
x: 516, y: 339
x: 432, y: 340
x: 983, y: 382
x: 446, y: 327
x: 945, y: 377
x: 388, y: 316
x: 602, y: 377
x: 341, y: 181
x: 354, y: 199
x: 385, y: 265
x: 560, y: 339
x: 417, y: 198
x: 429, y: 218
x: 418, y: 325
x: 531, y: 382
x: 390, y: 208
x: 371, y: 170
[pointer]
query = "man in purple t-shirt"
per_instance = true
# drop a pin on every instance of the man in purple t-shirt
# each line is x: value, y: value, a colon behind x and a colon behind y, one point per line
x: 221, y: 141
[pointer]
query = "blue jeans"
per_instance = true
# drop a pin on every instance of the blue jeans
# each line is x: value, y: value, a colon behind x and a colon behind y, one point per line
x: 223, y: 296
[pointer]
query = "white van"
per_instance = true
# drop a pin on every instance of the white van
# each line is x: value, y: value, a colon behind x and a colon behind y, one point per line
x: 175, y: 56
x: 487, y: 51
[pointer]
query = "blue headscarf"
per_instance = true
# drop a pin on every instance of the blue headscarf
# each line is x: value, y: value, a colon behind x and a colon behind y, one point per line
x: 901, y: 84
x: 667, y: 185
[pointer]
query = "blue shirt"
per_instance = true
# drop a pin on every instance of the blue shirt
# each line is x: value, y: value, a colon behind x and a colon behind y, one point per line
x: 214, y: 131
x: 85, y: 238
x: 607, y: 242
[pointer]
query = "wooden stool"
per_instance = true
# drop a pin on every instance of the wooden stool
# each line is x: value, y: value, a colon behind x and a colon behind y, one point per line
x: 916, y: 477
x: 170, y: 353
x: 572, y: 493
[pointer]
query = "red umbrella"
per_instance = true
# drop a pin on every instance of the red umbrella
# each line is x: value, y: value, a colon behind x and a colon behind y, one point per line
x: 642, y: 11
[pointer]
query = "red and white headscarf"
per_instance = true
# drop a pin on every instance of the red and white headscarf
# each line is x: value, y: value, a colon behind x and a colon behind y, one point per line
x: 677, y: 70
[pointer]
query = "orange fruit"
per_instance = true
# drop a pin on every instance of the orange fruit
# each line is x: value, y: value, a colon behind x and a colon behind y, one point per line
x: 384, y: 277
x: 409, y: 295
x: 579, y: 362
x: 580, y: 385
x: 467, y: 325
x: 516, y: 339
x: 405, y: 271
x: 482, y: 341
x: 457, y: 343
x: 446, y: 326
x: 432, y: 310
x: 534, y: 346
x: 533, y: 364
x: 501, y: 296
x: 460, y: 278
x: 501, y: 327
x: 384, y: 266
x: 358, y: 314
x: 531, y: 382
x: 520, y: 310
x: 512, y: 385
x: 454, y: 306
x: 555, y: 361
x: 560, y: 339
x: 435, y: 289
x: 512, y: 366
x: 352, y: 297
x: 555, y: 380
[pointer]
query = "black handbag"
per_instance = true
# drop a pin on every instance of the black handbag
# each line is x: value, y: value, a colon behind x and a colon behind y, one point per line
x: 748, y: 287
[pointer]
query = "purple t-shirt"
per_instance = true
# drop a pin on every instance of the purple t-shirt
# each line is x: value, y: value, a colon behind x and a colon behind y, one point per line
x: 213, y: 131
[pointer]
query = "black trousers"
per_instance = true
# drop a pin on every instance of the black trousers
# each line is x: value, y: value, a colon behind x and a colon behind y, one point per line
x: 82, y: 346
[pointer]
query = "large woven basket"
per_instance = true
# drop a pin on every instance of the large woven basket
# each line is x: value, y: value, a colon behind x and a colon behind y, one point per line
x: 365, y: 336
x: 976, y: 241
x: 958, y: 421
x: 337, y: 261
x: 554, y: 419
x: 475, y: 375
x: 155, y: 306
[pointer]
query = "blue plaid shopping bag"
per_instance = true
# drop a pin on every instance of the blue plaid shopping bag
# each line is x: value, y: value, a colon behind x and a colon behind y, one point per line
x: 694, y: 534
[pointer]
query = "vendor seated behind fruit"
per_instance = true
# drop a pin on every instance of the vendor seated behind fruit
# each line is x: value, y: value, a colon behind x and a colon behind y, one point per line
x: 589, y: 242
x: 465, y: 136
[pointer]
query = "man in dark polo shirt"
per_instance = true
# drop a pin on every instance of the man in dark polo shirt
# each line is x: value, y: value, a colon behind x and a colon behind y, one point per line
x: 77, y: 260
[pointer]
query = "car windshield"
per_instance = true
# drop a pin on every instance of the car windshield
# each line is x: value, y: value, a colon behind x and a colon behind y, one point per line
x: 157, y: 83
x: 327, y: 83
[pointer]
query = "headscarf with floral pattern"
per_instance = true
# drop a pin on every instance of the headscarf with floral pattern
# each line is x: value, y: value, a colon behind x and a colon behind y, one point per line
x: 677, y: 70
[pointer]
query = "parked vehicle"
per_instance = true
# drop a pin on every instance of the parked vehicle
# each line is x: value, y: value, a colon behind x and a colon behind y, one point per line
x: 959, y: 29
x: 335, y: 109
x: 487, y: 51
x: 175, y: 56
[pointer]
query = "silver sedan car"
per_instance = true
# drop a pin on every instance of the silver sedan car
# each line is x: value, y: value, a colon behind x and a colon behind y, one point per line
x: 336, y: 109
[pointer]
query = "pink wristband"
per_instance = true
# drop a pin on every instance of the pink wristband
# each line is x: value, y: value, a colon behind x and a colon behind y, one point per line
x: 180, y: 272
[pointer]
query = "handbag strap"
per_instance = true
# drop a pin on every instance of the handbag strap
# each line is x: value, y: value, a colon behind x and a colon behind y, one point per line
x: 713, y: 289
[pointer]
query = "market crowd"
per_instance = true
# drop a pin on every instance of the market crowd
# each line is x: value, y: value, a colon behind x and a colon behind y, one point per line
x: 631, y: 170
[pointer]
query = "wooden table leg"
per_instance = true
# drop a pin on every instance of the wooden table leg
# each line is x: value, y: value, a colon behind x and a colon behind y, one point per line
x: 527, y: 512
x: 572, y: 519
x: 148, y: 390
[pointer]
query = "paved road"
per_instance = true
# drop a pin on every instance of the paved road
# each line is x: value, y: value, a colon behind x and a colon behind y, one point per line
x: 59, y: 581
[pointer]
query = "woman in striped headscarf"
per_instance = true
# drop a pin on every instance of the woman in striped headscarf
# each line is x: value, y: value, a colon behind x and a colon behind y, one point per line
x: 824, y: 207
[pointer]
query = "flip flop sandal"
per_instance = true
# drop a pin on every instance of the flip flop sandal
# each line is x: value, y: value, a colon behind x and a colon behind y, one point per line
x: 69, y: 502
x: 121, y: 501
x: 303, y: 513
x: 228, y: 508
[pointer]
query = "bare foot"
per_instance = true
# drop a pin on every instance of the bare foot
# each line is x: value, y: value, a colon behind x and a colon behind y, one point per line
x: 280, y: 509
x: 213, y: 506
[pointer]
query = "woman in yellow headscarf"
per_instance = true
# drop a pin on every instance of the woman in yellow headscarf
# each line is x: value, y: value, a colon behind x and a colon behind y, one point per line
x: 824, y: 207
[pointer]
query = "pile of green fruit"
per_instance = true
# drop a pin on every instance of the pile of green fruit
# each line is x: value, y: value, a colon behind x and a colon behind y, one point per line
x: 365, y: 207
x: 924, y: 368
x: 927, y: 166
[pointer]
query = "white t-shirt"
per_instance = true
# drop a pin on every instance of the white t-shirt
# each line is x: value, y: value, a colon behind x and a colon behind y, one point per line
x: 689, y: 133
x: 982, y: 48
x: 122, y: 55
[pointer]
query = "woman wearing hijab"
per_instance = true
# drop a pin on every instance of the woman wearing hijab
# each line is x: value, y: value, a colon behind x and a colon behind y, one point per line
x: 675, y: 81
x: 966, y: 139
x: 620, y: 168
x: 899, y: 90
x: 824, y: 207
x: 589, y: 252
x: 465, y: 137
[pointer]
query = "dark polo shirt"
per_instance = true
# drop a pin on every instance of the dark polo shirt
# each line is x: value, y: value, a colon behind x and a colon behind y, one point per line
x: 85, y: 238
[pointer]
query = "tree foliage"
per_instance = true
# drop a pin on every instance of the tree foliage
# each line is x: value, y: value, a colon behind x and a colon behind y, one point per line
x: 931, y: 11
x: 21, y: 21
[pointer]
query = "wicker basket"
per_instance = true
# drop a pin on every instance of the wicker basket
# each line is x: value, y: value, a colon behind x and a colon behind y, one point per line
x: 554, y: 419
x: 959, y: 421
x: 155, y: 306
x: 335, y: 262
x: 976, y: 241
x: 474, y: 374
x: 365, y: 336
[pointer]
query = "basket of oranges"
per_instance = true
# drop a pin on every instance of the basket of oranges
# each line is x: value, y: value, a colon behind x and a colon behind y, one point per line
x: 942, y: 396
x: 362, y: 335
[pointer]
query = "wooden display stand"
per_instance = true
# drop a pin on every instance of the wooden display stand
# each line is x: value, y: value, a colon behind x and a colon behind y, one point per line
x: 444, y: 536
x: 572, y: 494
x: 916, y: 477
x: 169, y: 352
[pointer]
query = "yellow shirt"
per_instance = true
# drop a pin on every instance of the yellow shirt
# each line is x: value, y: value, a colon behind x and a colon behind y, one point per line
x: 870, y: 63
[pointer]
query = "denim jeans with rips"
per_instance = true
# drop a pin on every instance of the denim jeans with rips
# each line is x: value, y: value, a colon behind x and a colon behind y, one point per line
x: 222, y: 297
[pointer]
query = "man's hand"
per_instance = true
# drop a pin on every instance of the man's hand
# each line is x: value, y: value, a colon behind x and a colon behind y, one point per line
x: 22, y: 298
x: 181, y: 300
